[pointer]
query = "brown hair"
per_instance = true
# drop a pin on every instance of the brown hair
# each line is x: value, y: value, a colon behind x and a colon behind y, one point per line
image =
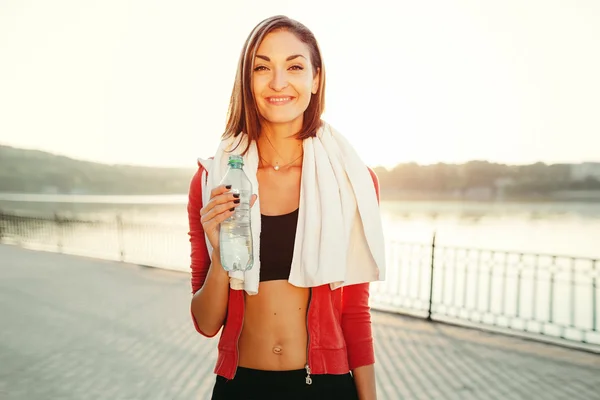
x: 243, y: 115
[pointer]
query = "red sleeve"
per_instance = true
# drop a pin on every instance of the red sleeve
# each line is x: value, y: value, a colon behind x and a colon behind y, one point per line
x: 356, y: 316
x: 199, y: 255
x: 375, y: 182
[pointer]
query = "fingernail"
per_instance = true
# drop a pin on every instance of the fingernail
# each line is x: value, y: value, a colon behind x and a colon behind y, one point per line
x: 228, y: 187
x: 236, y: 195
x: 237, y: 201
x: 231, y: 209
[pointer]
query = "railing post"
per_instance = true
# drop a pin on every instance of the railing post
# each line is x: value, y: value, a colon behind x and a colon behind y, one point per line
x: 120, y: 236
x: 1, y: 226
x: 59, y: 240
x: 431, y: 278
x: 594, y: 301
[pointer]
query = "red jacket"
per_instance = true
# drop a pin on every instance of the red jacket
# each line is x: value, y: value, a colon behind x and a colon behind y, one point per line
x: 338, y: 321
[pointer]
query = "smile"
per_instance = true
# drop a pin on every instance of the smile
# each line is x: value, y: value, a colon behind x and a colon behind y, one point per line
x: 279, y: 100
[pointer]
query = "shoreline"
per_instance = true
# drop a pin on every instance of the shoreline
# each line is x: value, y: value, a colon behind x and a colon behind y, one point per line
x: 385, y: 195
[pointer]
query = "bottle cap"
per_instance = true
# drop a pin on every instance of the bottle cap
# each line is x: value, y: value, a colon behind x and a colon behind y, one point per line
x: 235, y: 160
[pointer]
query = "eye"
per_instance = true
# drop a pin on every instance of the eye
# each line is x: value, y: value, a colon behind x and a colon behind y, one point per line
x: 260, y: 68
x: 297, y: 67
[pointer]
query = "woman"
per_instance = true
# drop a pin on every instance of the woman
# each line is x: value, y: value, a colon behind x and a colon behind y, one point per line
x: 294, y: 335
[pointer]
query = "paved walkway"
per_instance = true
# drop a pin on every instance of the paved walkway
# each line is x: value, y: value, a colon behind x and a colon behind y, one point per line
x: 78, y: 328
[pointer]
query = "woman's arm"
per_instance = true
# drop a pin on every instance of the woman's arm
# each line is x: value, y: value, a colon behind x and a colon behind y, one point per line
x: 209, y: 304
x: 210, y: 282
x: 364, y: 379
x: 358, y: 318
x: 356, y: 327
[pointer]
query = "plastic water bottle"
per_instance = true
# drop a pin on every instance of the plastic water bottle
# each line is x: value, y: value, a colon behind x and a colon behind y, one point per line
x: 235, y: 236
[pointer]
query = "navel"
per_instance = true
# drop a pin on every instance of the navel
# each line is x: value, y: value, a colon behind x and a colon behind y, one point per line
x: 278, y: 350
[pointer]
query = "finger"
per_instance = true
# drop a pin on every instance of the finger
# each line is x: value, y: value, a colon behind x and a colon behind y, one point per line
x: 220, y: 199
x: 214, y: 193
x: 225, y: 199
x: 223, y: 216
x: 212, y: 223
x: 218, y: 209
x: 219, y: 190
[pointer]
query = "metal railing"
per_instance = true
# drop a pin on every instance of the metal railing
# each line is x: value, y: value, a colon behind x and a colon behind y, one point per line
x: 150, y: 244
x: 549, y: 295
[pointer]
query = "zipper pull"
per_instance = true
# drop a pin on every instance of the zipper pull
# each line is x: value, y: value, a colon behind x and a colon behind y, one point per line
x: 308, y: 378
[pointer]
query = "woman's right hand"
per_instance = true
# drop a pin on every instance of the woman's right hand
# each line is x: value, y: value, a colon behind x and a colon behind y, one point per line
x: 220, y: 207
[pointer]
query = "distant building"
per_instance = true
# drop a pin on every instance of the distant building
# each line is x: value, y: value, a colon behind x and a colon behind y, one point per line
x: 478, y: 193
x: 501, y: 184
x: 78, y: 191
x: 579, y: 172
x: 48, y: 189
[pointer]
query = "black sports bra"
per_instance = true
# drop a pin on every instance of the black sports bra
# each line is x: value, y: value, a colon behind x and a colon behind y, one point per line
x: 277, y: 236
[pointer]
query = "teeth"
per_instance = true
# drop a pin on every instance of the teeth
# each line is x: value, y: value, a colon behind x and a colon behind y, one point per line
x: 278, y: 100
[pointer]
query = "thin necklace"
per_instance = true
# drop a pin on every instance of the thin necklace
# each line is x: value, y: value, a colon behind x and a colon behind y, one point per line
x: 276, y: 167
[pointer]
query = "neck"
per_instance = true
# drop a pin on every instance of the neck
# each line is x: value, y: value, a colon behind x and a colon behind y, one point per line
x: 278, y: 145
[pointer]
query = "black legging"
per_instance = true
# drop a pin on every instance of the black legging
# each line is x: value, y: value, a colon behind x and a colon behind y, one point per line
x: 253, y: 384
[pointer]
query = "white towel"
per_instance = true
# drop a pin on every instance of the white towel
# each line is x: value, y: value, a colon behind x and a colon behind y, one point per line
x: 339, y: 236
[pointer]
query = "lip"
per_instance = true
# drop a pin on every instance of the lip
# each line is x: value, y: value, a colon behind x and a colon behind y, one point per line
x: 279, y: 100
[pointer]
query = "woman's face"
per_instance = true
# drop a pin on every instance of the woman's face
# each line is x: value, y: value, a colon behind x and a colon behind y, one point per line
x: 283, y: 78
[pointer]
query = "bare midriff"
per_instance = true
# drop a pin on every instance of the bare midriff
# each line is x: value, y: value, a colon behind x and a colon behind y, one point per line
x: 274, y: 336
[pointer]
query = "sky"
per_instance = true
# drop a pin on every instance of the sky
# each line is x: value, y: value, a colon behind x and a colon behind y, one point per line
x: 148, y: 82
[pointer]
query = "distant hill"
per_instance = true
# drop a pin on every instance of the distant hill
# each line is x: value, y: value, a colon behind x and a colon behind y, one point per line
x: 33, y: 171
x: 482, y: 180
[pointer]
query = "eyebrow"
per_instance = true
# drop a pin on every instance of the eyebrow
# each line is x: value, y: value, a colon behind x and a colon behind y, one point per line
x: 290, y: 58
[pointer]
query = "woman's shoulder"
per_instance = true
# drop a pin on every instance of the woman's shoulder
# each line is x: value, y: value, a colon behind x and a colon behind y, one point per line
x: 195, y: 189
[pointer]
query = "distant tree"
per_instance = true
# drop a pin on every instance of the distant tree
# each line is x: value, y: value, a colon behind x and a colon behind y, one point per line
x: 32, y: 171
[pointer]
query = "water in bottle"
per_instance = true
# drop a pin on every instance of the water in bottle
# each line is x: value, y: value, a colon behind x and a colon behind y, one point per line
x: 235, y: 236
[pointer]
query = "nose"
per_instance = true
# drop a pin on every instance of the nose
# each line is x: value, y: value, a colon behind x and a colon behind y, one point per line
x: 279, y: 81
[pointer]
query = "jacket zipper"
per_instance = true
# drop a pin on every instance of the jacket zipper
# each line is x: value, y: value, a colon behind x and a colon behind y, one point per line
x: 237, y: 343
x: 307, y: 366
